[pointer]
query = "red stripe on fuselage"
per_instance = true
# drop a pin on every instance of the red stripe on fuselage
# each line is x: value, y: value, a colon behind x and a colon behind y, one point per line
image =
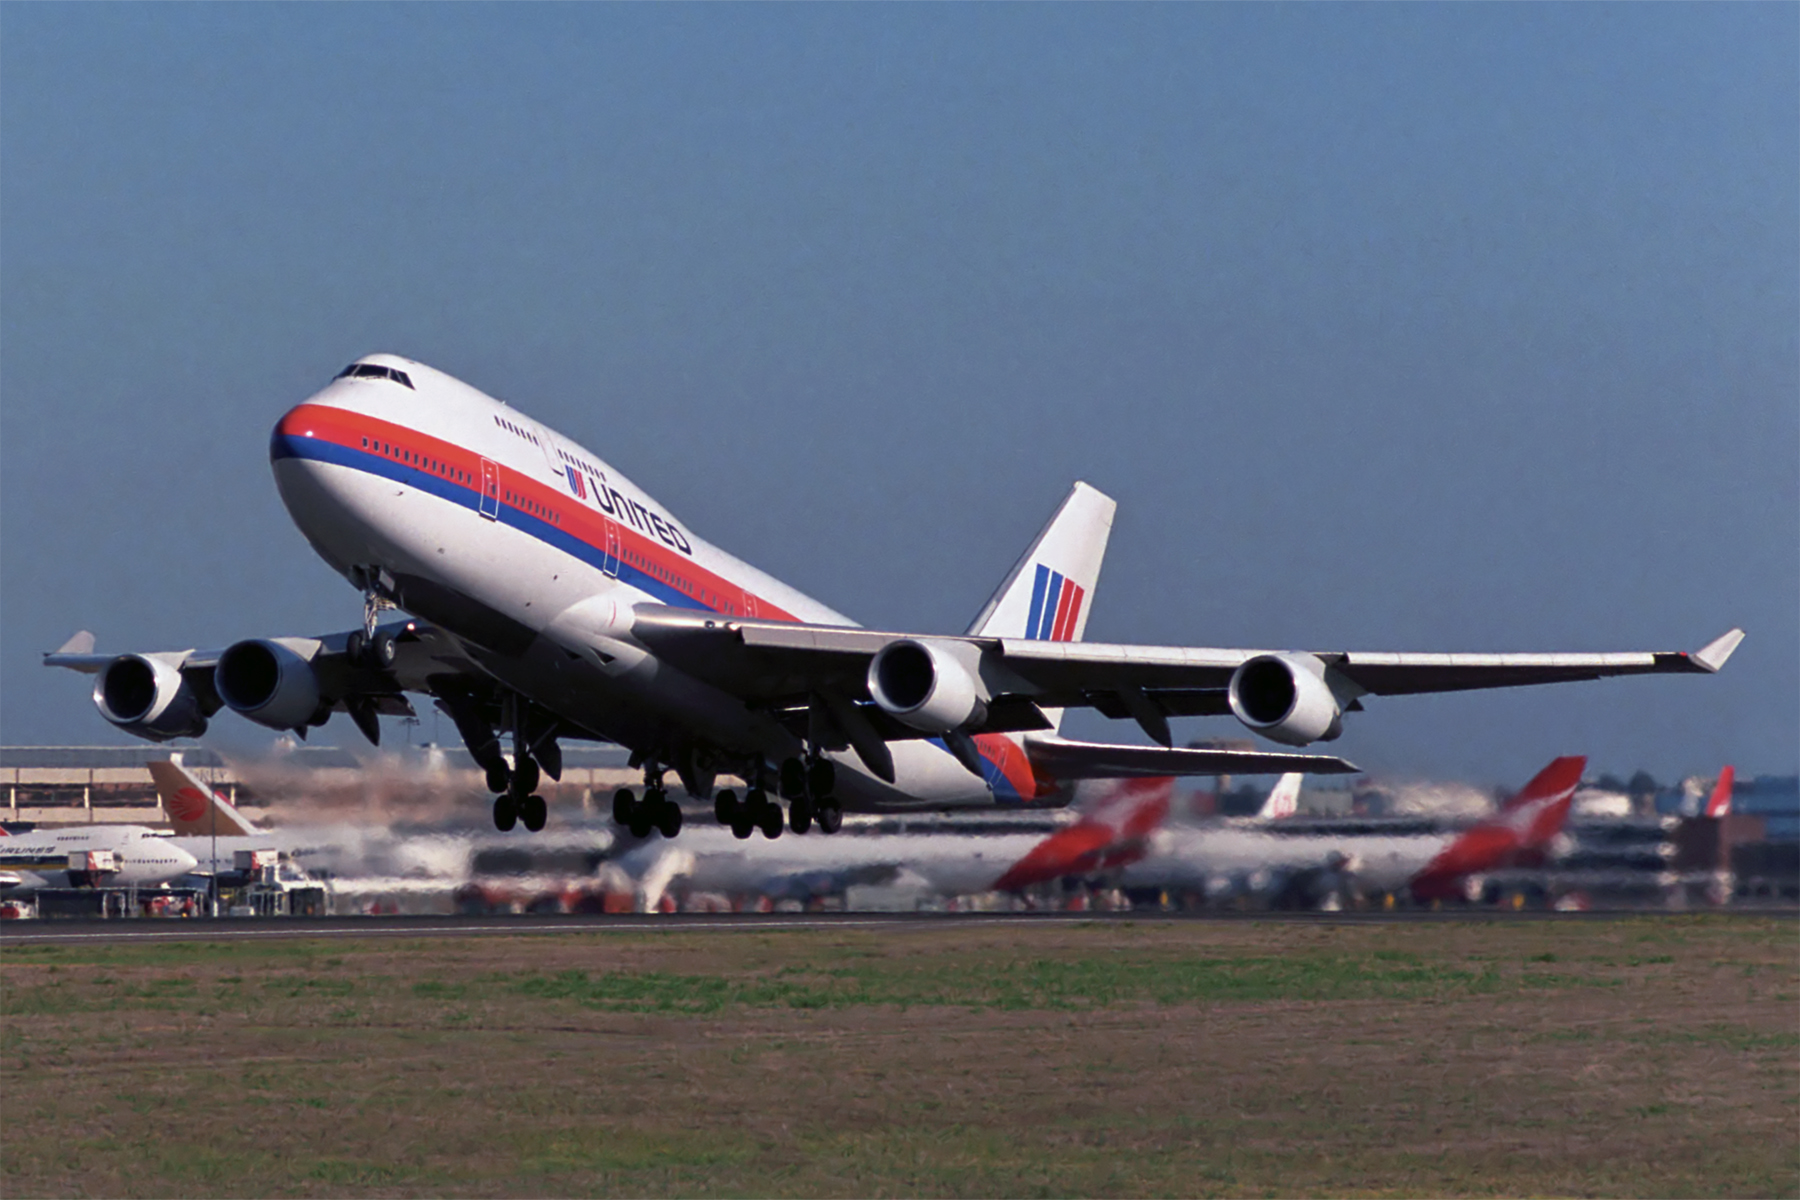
x: 461, y: 466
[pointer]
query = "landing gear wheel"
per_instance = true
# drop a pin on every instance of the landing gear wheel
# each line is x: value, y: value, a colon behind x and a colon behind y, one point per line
x: 382, y: 650
x: 356, y: 646
x: 506, y: 813
x: 533, y: 812
x: 792, y: 781
x: 526, y: 776
x: 668, y: 818
x: 821, y: 778
x: 800, y: 817
x: 831, y: 816
x: 624, y: 805
x: 769, y: 820
x: 749, y: 814
x: 498, y: 777
x: 645, y: 813
x: 725, y: 807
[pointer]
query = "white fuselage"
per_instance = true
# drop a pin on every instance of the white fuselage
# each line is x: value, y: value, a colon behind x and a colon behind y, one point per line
x: 144, y: 857
x: 531, y: 550
x: 1228, y: 854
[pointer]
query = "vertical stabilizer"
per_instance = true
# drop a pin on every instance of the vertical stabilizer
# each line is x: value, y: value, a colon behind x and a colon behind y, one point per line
x: 1047, y: 594
x: 1284, y: 798
x: 1719, y: 805
x: 194, y: 809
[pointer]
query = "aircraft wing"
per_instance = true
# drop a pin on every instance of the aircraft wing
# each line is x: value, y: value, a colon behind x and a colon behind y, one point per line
x: 776, y: 664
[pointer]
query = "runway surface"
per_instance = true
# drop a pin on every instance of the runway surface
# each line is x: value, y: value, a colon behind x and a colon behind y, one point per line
x: 89, y: 932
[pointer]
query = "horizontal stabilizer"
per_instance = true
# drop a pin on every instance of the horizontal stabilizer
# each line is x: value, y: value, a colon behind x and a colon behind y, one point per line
x: 1063, y: 759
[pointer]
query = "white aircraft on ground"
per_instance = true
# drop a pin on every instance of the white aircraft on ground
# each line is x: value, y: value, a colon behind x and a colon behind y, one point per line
x: 554, y: 599
x: 93, y: 855
x: 1265, y: 861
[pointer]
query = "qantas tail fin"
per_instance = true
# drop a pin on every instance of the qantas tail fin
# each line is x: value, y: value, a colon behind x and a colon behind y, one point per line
x: 1562, y: 775
x: 1519, y: 833
x: 194, y: 809
x: 1284, y: 798
x: 1719, y: 804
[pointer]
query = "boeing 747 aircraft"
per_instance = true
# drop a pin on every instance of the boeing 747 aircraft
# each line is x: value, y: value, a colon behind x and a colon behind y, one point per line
x: 550, y: 597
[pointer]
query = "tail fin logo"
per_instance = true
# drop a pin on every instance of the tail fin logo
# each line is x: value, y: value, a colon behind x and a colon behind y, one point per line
x: 1055, y: 607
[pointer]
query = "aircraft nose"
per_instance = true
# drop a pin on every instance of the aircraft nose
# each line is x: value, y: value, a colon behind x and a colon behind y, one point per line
x: 295, y: 426
x: 187, y: 862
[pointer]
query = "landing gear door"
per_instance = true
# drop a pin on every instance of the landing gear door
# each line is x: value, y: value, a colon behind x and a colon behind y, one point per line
x: 609, y: 556
x: 490, y: 490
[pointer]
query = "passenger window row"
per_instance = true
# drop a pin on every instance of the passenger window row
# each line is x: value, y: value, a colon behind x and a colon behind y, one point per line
x: 436, y: 466
x: 503, y: 423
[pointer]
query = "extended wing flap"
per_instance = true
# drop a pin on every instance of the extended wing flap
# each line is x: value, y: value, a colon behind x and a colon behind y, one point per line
x: 1064, y: 759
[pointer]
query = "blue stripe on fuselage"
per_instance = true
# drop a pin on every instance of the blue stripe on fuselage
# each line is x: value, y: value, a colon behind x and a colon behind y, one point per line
x: 380, y: 465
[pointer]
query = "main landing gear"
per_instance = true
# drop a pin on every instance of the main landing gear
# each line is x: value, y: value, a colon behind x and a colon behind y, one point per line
x: 654, y: 812
x: 807, y: 786
x: 517, y: 802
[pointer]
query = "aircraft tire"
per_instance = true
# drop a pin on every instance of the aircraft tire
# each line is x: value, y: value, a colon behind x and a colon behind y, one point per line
x: 641, y: 823
x: 668, y: 818
x: 382, y: 650
x: 770, y: 821
x: 526, y: 776
x: 742, y: 827
x: 533, y: 812
x: 506, y: 813
x: 498, y: 777
x: 800, y: 816
x: 725, y: 806
x: 356, y: 647
x: 624, y: 805
x: 821, y: 778
x: 831, y: 816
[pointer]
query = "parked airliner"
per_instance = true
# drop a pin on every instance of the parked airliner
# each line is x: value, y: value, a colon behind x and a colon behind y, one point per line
x: 113, y: 855
x: 547, y: 596
x: 1308, y: 862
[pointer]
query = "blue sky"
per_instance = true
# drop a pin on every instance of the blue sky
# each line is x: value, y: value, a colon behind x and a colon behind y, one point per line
x: 1390, y: 327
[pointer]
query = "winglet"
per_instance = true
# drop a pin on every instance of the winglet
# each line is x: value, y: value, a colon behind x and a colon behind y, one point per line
x: 1712, y: 656
x: 81, y: 643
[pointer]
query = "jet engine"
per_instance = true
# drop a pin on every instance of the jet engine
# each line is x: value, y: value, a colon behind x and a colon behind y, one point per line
x: 926, y: 686
x: 267, y: 683
x: 1285, y: 698
x: 148, y: 697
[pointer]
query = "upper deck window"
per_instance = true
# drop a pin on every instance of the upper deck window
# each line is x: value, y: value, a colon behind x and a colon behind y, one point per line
x: 374, y: 371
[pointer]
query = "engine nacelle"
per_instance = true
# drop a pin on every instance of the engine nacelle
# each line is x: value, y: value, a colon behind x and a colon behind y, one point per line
x: 267, y: 683
x: 1285, y: 698
x: 924, y: 685
x: 148, y: 697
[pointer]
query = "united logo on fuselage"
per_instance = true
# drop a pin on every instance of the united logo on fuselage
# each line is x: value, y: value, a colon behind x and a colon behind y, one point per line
x: 1055, y: 607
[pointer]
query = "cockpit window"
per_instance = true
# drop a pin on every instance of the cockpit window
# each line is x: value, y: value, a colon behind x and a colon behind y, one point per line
x: 372, y: 371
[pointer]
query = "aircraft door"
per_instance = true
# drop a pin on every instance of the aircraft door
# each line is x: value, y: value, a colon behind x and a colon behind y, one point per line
x: 490, y: 490
x: 609, y: 556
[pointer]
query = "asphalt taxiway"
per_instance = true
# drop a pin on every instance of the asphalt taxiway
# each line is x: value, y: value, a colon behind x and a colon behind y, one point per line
x: 92, y: 932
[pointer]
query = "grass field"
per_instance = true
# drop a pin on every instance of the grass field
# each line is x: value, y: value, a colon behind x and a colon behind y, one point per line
x: 1648, y: 1056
